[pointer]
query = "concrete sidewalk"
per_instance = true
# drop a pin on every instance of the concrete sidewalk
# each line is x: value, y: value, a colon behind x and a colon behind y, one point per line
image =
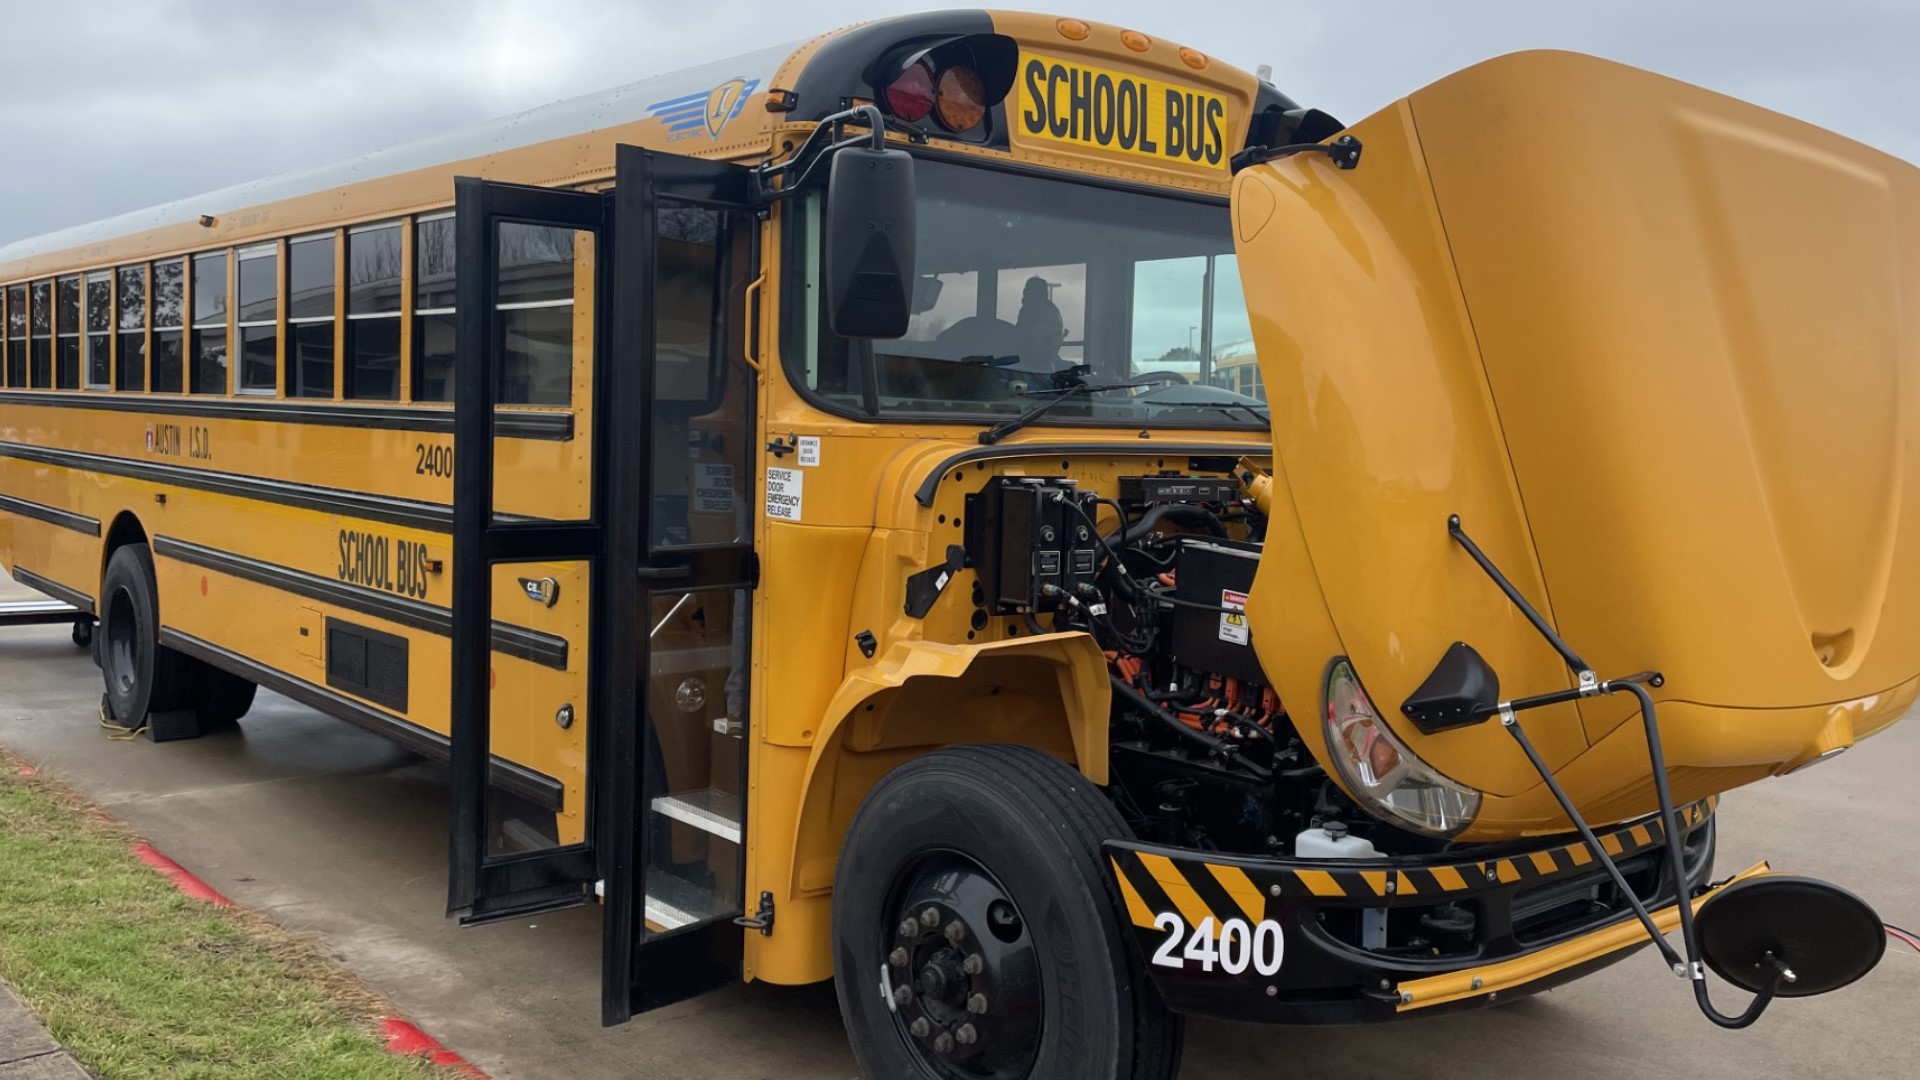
x: 27, y: 1052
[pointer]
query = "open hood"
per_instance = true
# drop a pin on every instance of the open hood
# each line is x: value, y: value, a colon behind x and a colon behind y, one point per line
x: 1660, y: 350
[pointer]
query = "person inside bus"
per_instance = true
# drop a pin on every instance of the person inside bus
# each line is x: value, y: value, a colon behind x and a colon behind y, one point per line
x: 1040, y: 325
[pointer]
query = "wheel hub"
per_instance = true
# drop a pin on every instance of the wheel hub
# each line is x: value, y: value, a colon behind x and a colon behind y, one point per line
x: 962, y: 975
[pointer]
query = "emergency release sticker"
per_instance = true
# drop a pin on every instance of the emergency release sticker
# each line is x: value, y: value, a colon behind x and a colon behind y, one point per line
x: 1233, y: 622
x: 809, y: 450
x: 713, y: 488
x: 784, y: 493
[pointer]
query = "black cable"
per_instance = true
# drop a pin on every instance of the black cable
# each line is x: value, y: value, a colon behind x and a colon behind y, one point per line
x: 1217, y: 747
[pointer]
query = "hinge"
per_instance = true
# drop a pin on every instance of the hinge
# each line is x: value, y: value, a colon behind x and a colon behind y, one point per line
x: 761, y: 919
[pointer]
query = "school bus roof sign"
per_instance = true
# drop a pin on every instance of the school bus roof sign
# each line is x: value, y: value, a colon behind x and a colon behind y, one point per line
x: 1072, y: 106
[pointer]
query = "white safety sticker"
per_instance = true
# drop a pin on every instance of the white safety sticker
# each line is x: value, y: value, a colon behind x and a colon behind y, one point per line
x: 785, y: 493
x: 1235, y: 945
x: 809, y: 450
x: 1233, y: 622
x: 713, y: 489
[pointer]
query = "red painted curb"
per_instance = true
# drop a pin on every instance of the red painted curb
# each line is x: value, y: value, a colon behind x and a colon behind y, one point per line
x: 407, y: 1040
x: 182, y: 878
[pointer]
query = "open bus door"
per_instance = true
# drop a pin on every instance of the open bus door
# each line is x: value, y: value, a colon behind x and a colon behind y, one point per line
x: 665, y: 540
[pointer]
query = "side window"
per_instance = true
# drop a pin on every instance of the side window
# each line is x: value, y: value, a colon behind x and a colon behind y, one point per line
x: 1190, y: 318
x: 257, y: 316
x: 42, y: 322
x: 433, y: 314
x: 169, y: 319
x: 536, y: 268
x: 66, y: 332
x: 16, y: 335
x: 1234, y: 365
x: 309, y: 317
x: 130, y: 323
x: 99, y: 334
x: 209, y: 351
x: 373, y: 313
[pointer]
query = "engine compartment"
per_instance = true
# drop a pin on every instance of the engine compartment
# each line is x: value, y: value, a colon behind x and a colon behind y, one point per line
x: 1204, y: 753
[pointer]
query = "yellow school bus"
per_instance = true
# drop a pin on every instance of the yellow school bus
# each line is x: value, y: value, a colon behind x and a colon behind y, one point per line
x: 917, y: 507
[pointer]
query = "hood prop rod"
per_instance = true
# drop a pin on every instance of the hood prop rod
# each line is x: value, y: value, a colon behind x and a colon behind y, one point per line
x: 1689, y: 968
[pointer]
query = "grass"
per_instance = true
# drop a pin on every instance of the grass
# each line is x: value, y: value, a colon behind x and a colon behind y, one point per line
x: 138, y: 981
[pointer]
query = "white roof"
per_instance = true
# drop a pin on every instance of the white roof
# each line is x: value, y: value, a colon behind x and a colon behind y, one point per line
x: 667, y: 96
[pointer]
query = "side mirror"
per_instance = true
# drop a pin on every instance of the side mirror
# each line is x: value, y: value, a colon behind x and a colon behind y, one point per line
x: 869, y: 246
x: 1463, y: 689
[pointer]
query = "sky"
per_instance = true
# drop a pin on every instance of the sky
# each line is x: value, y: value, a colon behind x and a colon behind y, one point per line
x: 114, y: 105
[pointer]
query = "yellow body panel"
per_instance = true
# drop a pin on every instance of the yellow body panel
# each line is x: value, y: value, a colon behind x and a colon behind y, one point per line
x: 1584, y: 307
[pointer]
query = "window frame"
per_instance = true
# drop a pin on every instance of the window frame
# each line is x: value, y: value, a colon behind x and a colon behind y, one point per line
x: 87, y: 332
x: 184, y: 328
x: 194, y: 327
x: 403, y: 229
x: 236, y: 344
x: 40, y: 296
x: 411, y: 361
x: 288, y: 347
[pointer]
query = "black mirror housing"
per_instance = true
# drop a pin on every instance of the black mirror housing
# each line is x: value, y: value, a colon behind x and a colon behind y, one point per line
x: 1463, y: 689
x: 869, y: 247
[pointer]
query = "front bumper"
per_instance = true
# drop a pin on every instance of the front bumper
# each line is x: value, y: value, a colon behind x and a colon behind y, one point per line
x: 1315, y: 941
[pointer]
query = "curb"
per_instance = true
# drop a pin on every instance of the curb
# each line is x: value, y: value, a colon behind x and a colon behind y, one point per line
x: 400, y: 1037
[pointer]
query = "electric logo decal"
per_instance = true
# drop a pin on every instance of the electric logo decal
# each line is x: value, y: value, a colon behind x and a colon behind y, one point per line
x: 687, y: 116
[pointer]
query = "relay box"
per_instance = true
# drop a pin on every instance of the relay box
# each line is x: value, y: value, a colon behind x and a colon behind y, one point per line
x: 1033, y: 542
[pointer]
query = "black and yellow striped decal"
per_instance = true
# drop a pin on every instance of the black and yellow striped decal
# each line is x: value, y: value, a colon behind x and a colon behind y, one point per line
x: 1152, y: 882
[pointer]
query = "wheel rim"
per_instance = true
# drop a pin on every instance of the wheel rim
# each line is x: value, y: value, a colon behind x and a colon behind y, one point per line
x: 960, y: 971
x: 119, y: 656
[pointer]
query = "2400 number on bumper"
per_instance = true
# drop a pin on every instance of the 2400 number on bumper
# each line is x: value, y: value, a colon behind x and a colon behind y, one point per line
x: 1317, y: 941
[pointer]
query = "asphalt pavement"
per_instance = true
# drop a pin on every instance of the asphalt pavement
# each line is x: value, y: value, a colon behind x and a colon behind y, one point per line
x: 337, y: 833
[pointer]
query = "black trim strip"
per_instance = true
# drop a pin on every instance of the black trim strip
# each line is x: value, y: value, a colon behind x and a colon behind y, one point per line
x: 925, y: 492
x: 52, y: 515
x: 547, y: 650
x: 538, y: 787
x: 510, y: 424
x: 412, y: 513
x: 65, y: 594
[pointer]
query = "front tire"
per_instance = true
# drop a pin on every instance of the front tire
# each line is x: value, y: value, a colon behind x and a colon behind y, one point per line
x: 143, y: 677
x: 978, y: 936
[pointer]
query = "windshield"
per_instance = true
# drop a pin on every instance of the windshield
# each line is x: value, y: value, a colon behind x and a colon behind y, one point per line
x: 1027, y: 286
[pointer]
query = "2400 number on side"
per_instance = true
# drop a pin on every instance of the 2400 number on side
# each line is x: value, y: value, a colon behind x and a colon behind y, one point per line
x: 1238, y: 946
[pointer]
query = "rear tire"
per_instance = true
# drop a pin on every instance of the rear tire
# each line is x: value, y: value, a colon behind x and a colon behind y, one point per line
x: 220, y: 697
x: 1001, y: 845
x: 142, y: 676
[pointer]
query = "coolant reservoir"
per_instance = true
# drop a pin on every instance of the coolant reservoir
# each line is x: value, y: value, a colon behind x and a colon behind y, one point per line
x: 1659, y: 349
x: 1332, y: 841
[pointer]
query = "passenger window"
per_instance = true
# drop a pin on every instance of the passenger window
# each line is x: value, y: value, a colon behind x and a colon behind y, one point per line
x: 373, y: 313
x: 210, y: 324
x: 433, y: 310
x: 536, y: 268
x: 66, y: 333
x: 169, y: 317
x: 99, y: 334
x: 310, y: 317
x: 42, y: 320
x: 130, y: 323
x: 257, y: 314
x: 16, y: 335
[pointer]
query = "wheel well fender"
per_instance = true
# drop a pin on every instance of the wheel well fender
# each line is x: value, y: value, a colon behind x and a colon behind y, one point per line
x: 125, y: 529
x: 1049, y: 692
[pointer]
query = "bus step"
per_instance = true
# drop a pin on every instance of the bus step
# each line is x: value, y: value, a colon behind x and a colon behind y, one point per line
x: 674, y: 902
x: 709, y: 810
x: 36, y: 612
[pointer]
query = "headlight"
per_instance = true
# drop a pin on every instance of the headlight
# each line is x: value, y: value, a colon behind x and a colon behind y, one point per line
x: 1390, y: 782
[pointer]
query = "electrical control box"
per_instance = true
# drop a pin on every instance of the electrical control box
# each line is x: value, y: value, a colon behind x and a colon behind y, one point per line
x: 1214, y: 637
x: 1138, y: 491
x: 1033, y: 543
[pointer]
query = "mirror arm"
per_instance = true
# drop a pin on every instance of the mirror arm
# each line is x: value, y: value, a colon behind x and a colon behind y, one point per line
x: 798, y: 168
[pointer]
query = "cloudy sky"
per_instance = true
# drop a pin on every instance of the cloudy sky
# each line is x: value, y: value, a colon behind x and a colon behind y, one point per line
x: 113, y: 105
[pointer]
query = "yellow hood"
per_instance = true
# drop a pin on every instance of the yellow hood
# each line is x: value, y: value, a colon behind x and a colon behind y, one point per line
x: 1659, y: 350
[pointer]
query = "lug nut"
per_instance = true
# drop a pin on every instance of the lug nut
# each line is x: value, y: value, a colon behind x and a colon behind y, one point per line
x: 965, y: 1035
x: 974, y: 964
x: 930, y: 918
x: 902, y: 994
x: 977, y: 1004
x: 920, y: 1027
x: 910, y: 928
x: 898, y: 958
x: 956, y: 931
x: 943, y: 1043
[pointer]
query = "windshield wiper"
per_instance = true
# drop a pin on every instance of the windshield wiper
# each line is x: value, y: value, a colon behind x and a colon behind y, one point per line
x: 1007, y: 427
x: 1263, y: 419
